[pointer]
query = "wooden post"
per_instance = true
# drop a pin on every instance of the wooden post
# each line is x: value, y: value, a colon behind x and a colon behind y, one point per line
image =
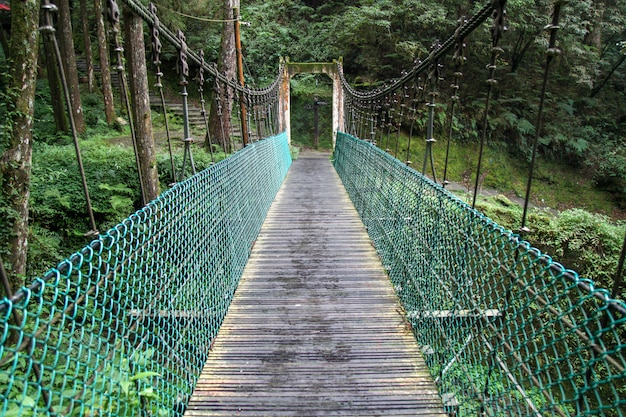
x: 284, y: 103
x: 242, y: 105
x: 338, y: 117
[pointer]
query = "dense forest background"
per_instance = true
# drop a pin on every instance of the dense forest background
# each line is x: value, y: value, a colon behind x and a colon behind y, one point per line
x: 586, y: 110
x: 585, y: 118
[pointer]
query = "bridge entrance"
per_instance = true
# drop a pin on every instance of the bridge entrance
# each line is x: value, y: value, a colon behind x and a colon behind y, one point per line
x: 293, y: 68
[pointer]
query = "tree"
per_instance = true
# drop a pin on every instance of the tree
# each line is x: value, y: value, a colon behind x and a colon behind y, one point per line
x: 87, y: 45
x: 66, y: 44
x: 139, y: 93
x: 221, y: 106
x: 105, y: 69
x: 17, y: 153
x: 54, y: 83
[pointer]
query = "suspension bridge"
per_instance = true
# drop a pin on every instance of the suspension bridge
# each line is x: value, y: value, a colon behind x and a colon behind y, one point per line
x: 333, y: 284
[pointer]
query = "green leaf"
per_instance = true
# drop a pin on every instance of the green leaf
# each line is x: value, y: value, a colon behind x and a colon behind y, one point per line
x: 148, y: 393
x: 121, y: 204
x: 118, y: 188
x: 28, y: 402
x: 143, y: 375
x: 14, y: 411
x: 143, y: 358
x: 125, y: 385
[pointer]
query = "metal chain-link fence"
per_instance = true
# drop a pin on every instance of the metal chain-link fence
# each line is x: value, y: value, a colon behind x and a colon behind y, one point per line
x: 504, y: 329
x: 124, y: 326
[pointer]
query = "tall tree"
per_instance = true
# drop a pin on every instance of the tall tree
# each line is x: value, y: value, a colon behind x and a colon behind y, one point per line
x: 4, y: 40
x: 17, y: 153
x: 54, y: 82
x: 105, y: 69
x: 66, y: 44
x: 87, y: 45
x: 221, y: 106
x: 139, y: 93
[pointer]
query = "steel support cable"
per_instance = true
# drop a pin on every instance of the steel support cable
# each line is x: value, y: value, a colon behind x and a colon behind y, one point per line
x: 551, y: 53
x: 220, y: 118
x: 114, y: 19
x: 433, y: 79
x: 413, y: 118
x: 48, y: 30
x: 523, y: 228
x: 468, y: 27
x: 197, y: 59
x: 144, y: 13
x: 156, y: 51
x: 402, y: 106
x: 204, y: 115
x: 458, y: 58
x: 183, y: 69
x: 497, y: 30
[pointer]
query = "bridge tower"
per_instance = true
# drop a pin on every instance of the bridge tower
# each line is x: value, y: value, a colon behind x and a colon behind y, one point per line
x: 292, y: 68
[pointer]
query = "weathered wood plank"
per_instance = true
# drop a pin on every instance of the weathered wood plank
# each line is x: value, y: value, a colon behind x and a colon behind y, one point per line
x: 315, y: 328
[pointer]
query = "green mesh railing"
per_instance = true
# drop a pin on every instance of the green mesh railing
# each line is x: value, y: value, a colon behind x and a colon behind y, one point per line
x: 124, y: 327
x: 504, y: 329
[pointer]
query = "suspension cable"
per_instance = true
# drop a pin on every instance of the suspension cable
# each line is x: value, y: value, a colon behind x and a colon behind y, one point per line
x: 458, y: 58
x: 48, y: 30
x: 496, y: 32
x: 156, y: 52
x: 551, y: 53
x: 114, y: 19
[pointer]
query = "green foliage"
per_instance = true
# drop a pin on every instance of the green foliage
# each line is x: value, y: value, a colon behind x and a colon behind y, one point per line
x: 586, y: 242
x: 120, y: 391
x: 304, y: 90
x: 294, y: 151
x: 201, y: 158
x: 57, y: 199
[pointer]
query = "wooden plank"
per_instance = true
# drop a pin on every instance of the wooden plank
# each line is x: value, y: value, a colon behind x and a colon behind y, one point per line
x: 315, y: 328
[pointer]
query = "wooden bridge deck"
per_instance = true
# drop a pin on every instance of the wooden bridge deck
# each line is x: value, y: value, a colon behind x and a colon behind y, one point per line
x: 314, y: 328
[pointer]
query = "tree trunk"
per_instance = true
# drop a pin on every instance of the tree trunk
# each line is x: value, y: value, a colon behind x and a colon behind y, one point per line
x: 105, y: 66
x: 594, y: 35
x: 596, y: 89
x: 521, y: 47
x: 17, y: 156
x: 4, y: 41
x: 139, y: 93
x: 220, y: 126
x: 66, y: 44
x: 87, y: 39
x: 56, y: 90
